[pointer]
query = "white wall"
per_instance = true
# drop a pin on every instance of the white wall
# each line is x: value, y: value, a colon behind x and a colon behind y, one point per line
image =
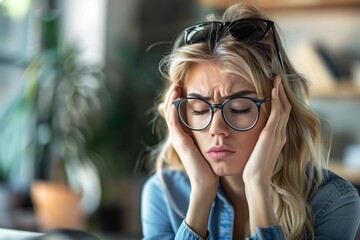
x: 84, y: 22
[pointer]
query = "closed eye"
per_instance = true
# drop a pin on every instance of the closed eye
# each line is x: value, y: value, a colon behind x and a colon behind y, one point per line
x: 241, y: 111
x: 200, y: 112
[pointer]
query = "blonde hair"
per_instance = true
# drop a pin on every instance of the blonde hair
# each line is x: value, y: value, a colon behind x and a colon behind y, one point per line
x: 298, y: 171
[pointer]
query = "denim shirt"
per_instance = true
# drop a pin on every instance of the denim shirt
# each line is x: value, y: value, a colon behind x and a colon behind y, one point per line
x: 336, y: 209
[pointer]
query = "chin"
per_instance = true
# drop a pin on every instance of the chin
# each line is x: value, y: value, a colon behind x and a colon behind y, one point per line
x: 224, y: 171
x: 227, y: 168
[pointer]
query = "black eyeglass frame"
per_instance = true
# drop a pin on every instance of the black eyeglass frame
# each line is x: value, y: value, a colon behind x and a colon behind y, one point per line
x: 177, y: 103
x: 219, y: 25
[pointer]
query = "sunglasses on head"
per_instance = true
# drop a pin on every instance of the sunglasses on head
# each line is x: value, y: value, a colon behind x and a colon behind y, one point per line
x: 242, y: 30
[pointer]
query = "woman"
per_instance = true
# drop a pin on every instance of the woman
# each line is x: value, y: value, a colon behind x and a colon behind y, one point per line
x: 245, y: 156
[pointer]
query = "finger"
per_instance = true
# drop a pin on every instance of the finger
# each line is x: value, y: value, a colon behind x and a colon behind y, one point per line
x: 180, y: 135
x: 287, y: 108
x: 174, y: 121
x: 280, y: 92
x: 284, y: 104
x: 277, y: 82
x: 167, y: 96
x: 281, y: 109
x: 279, y: 88
x: 275, y: 106
x: 273, y: 119
x: 284, y: 99
x: 170, y: 97
x: 169, y: 104
x: 278, y: 118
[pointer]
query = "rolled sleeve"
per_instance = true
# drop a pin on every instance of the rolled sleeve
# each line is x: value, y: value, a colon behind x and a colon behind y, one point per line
x: 185, y: 232
x: 268, y: 233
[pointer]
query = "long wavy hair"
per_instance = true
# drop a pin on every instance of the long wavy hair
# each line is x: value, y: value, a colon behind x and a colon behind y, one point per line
x: 298, y: 171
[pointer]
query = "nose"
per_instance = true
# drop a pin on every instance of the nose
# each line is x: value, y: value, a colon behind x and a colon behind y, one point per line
x: 218, y: 125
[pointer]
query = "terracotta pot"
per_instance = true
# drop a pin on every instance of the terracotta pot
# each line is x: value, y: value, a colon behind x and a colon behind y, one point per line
x: 57, y: 206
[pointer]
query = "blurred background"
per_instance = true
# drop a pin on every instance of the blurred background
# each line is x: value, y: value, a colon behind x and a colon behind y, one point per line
x: 79, y: 80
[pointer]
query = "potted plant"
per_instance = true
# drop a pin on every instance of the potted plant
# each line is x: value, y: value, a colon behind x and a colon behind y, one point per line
x: 68, y: 103
x: 54, y: 118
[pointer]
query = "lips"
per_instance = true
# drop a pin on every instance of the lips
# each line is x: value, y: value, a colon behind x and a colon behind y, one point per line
x: 219, y: 152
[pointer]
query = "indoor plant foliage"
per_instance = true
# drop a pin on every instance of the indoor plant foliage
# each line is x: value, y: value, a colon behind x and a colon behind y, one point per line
x: 69, y: 104
x: 68, y: 110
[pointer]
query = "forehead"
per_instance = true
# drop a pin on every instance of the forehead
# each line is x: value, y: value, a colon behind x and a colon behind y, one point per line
x: 209, y: 78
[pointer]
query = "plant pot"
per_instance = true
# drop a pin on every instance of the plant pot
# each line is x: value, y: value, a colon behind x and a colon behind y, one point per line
x: 57, y: 206
x: 6, y: 206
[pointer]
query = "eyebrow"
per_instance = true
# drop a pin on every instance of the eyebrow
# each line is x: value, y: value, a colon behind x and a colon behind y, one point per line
x: 234, y: 95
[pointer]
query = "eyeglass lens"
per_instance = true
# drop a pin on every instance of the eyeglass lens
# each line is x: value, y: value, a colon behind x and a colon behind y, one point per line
x: 201, y: 33
x: 241, y: 30
x: 238, y: 113
x: 248, y: 30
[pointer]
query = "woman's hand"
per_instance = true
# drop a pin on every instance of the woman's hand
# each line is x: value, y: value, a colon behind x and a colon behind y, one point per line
x: 203, y: 180
x: 272, y: 138
x: 259, y: 168
x: 201, y: 175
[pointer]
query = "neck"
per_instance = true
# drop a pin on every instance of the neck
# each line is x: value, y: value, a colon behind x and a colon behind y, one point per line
x: 234, y: 189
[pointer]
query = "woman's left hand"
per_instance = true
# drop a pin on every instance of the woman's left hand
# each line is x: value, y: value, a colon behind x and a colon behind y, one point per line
x: 260, y: 166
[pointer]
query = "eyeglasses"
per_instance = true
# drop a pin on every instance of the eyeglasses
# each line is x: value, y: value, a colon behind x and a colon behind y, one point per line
x: 239, y: 113
x: 242, y: 30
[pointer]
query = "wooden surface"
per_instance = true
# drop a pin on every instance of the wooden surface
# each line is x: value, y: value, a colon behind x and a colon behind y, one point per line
x: 353, y: 175
x: 340, y: 90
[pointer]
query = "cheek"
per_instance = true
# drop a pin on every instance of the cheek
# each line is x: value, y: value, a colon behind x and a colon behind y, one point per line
x: 260, y: 125
x: 262, y: 121
x: 200, y: 139
x: 250, y: 138
x: 247, y: 143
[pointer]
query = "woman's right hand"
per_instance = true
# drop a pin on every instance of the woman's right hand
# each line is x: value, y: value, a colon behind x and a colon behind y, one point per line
x: 202, y: 177
x: 203, y: 180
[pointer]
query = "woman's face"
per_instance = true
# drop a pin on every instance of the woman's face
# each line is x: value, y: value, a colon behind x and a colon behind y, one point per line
x: 226, y: 150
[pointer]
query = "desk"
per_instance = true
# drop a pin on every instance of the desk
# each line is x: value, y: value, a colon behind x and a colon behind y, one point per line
x: 11, y: 234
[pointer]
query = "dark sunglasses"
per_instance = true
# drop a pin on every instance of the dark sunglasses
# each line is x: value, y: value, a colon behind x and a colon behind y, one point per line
x: 242, y: 30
